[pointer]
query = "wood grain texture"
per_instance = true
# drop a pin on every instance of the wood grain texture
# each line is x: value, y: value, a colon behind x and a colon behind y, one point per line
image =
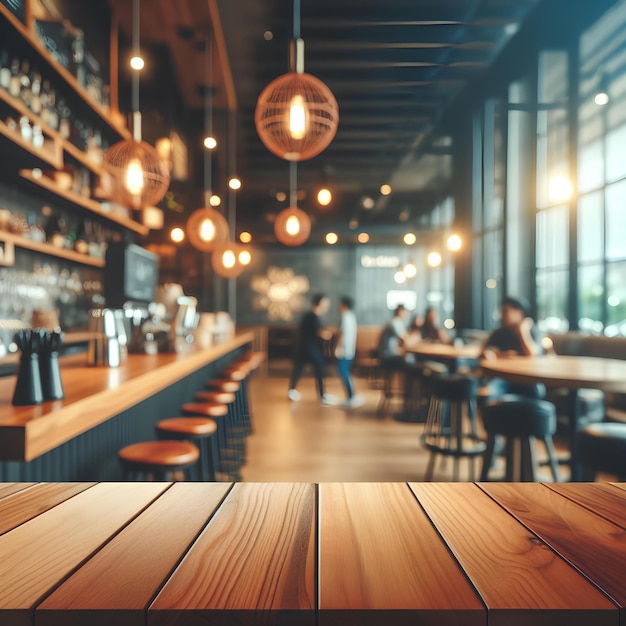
x: 560, y: 371
x: 520, y: 579
x: 30, y: 503
x: 6, y: 489
x: 253, y: 564
x: 92, y: 396
x: 599, y: 498
x: 619, y: 485
x: 136, y: 561
x: 378, y: 552
x: 592, y: 544
x: 37, y: 555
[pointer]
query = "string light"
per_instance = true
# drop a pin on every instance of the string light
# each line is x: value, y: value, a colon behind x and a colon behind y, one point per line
x: 177, y: 235
x: 434, y: 259
x: 332, y: 239
x: 324, y: 197
x: 454, y: 243
x: 409, y: 239
x: 245, y: 237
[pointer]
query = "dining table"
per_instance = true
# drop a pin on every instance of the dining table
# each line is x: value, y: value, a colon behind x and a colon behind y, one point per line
x: 565, y: 372
x: 451, y: 354
x: 330, y: 554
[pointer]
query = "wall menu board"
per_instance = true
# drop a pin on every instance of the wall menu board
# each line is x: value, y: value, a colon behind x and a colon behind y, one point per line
x: 131, y: 273
x: 17, y: 7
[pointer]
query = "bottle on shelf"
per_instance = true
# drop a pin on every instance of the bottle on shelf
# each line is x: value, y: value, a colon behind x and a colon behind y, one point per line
x: 26, y: 129
x: 44, y: 98
x: 65, y: 128
x: 5, y: 70
x: 26, y: 93
x: 38, y: 138
x: 15, y: 84
x: 53, y: 111
x: 35, y: 87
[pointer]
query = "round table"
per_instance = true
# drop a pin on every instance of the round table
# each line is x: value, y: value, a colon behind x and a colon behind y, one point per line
x: 571, y: 372
x: 445, y: 351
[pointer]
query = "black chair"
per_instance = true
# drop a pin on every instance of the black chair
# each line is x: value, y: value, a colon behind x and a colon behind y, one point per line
x: 451, y: 423
x: 602, y: 448
x: 520, y: 420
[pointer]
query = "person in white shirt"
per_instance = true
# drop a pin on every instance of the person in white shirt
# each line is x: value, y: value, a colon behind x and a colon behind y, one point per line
x: 346, y: 350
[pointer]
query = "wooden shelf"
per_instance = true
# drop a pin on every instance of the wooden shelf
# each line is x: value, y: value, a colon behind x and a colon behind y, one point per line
x: 46, y: 248
x: 69, y: 79
x: 86, y: 203
x: 36, y: 157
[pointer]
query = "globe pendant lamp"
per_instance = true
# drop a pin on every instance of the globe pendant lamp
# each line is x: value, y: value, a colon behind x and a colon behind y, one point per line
x: 139, y: 177
x: 296, y: 115
x: 207, y: 227
x: 292, y: 226
x: 225, y: 259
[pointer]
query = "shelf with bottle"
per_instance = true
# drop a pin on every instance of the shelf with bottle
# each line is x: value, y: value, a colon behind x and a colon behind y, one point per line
x: 35, y: 44
x: 50, y: 249
x: 47, y: 154
x: 38, y: 105
x: 47, y: 183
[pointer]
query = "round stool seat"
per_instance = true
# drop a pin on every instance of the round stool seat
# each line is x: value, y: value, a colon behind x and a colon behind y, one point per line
x: 456, y: 388
x: 192, y: 426
x: 603, y: 447
x: 235, y: 373
x: 519, y: 416
x: 166, y: 454
x: 210, y: 409
x: 229, y: 386
x: 222, y: 397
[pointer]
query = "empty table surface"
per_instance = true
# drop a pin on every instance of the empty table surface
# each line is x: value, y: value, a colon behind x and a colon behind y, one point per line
x: 445, y: 350
x: 163, y: 554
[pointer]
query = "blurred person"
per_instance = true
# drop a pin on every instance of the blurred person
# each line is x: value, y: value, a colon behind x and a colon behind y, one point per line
x: 430, y: 331
x: 308, y: 349
x: 517, y: 336
x: 345, y: 350
x: 392, y: 338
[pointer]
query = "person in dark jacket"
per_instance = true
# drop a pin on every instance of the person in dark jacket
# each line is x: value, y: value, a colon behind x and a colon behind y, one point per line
x: 309, y: 350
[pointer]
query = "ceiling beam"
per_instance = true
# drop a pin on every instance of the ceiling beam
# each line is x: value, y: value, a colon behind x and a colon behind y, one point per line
x: 356, y: 23
x: 342, y: 46
x: 347, y: 64
x: 222, y: 55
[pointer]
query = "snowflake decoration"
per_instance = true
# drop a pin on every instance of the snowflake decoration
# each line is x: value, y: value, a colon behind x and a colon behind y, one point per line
x: 280, y: 293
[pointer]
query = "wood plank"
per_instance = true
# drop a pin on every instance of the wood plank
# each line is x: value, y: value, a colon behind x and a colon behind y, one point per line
x: 619, y: 485
x: 382, y: 562
x: 26, y: 505
x: 599, y: 498
x: 135, y: 570
x: 254, y: 563
x: 6, y: 489
x: 519, y: 578
x: 38, y: 555
x: 592, y: 544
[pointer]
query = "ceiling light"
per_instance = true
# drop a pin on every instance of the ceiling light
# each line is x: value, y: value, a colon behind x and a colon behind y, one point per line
x: 409, y: 239
x: 353, y: 224
x: 368, y: 203
x: 245, y: 257
x: 137, y: 63
x: 399, y: 277
x: 268, y: 35
x: 385, y: 190
x: 234, y: 183
x: 210, y: 143
x: 434, y: 259
x: 560, y: 189
x: 281, y: 196
x: 363, y: 238
x: 292, y: 227
x: 177, y: 235
x: 410, y: 270
x: 332, y: 239
x: 205, y: 228
x: 245, y: 237
x: 454, y: 243
x: 215, y: 200
x: 224, y: 260
x: 602, y: 98
x: 324, y: 197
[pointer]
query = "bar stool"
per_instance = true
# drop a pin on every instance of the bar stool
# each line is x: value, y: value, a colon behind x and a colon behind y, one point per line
x: 240, y: 372
x: 229, y: 458
x: 229, y: 399
x: 197, y: 430
x: 451, y: 423
x: 521, y: 420
x: 160, y: 460
x: 603, y: 449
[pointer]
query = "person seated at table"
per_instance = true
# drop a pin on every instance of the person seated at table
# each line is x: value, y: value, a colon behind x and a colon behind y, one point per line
x: 517, y: 336
x: 392, y: 338
x: 430, y: 331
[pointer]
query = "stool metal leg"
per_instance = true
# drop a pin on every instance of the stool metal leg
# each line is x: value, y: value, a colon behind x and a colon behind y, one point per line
x: 488, y: 457
x: 554, y: 466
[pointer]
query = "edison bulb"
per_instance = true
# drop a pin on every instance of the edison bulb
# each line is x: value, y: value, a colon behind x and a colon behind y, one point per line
x: 210, y: 143
x: 324, y: 197
x: 332, y: 239
x: 245, y: 257
x: 134, y: 177
x: 215, y: 200
x: 409, y: 239
x: 229, y: 259
x: 137, y: 63
x: 234, y: 183
x: 454, y: 243
x: 207, y: 230
x: 245, y: 237
x: 410, y: 271
x: 177, y: 234
x: 297, y: 117
x: 400, y: 277
x: 602, y: 98
x: 292, y: 226
x: 434, y: 259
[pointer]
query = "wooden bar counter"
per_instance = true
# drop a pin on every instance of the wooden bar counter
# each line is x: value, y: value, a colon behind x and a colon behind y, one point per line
x: 94, y: 395
x: 184, y: 554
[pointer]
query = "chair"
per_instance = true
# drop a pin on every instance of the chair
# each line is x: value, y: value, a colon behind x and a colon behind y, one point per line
x: 451, y: 423
x: 200, y: 431
x: 159, y: 460
x: 602, y: 448
x: 521, y: 420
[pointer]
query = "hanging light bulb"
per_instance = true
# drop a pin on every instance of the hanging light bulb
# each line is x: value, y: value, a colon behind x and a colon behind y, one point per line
x: 324, y: 197
x: 433, y: 259
x: 137, y: 63
x: 245, y: 237
x: 410, y: 270
x: 228, y: 259
x: 297, y: 117
x: 454, y: 243
x: 210, y: 143
x: 225, y: 260
x: 134, y: 177
x: 207, y: 230
x: 400, y: 277
x: 292, y: 226
x: 215, y: 200
x: 177, y: 235
x: 245, y: 257
x: 234, y: 183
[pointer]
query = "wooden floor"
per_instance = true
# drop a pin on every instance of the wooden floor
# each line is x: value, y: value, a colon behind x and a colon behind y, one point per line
x: 303, y: 441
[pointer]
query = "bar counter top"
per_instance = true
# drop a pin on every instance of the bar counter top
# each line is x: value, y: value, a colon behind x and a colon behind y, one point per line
x: 94, y: 395
x: 181, y: 554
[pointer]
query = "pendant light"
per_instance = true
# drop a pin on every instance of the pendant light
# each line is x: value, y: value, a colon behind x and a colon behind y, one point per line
x: 292, y: 226
x: 225, y: 259
x: 139, y: 177
x: 207, y: 227
x: 296, y: 115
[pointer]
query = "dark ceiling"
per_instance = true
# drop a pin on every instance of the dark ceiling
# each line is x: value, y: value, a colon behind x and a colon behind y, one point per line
x: 394, y: 67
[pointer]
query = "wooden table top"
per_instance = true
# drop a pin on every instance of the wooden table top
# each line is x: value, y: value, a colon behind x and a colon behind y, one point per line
x: 445, y: 350
x: 560, y: 371
x: 162, y: 554
x: 93, y: 395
